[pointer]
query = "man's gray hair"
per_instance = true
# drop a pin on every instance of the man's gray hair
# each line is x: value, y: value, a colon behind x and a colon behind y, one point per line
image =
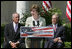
x: 56, y: 14
x: 13, y: 14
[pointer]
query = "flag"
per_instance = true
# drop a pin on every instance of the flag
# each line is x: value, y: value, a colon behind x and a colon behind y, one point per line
x: 68, y: 10
x: 37, y: 32
x: 46, y: 5
x: 44, y: 31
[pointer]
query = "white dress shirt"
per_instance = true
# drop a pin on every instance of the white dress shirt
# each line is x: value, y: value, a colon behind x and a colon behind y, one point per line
x: 15, y: 26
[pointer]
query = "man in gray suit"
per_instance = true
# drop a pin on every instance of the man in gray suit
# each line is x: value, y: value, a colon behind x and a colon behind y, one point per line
x: 59, y: 37
x: 12, y: 34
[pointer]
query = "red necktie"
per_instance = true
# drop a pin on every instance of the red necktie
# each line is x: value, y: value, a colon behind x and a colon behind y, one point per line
x: 54, y: 27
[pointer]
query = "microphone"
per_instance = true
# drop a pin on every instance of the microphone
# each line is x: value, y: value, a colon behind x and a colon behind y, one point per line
x: 37, y: 23
x: 33, y: 23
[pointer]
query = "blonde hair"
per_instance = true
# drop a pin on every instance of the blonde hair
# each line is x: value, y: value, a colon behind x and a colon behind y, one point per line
x: 35, y: 6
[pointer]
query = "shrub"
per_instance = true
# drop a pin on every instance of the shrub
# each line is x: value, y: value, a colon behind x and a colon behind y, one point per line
x: 67, y: 44
x: 68, y: 32
x: 2, y: 32
x: 67, y: 29
x: 48, y: 15
x: 23, y: 19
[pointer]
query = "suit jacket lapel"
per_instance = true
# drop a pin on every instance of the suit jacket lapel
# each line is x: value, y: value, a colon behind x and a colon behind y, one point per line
x: 18, y: 30
x: 57, y: 30
x: 12, y: 30
x: 12, y: 27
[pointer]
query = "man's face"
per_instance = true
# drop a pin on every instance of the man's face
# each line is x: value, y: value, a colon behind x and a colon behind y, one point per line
x: 16, y: 18
x: 54, y: 19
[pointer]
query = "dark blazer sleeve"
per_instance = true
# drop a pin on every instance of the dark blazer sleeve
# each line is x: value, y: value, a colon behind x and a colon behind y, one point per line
x: 20, y: 39
x: 61, y: 32
x: 6, y: 34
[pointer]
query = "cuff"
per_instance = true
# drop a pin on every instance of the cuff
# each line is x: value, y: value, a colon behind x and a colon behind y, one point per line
x: 10, y: 41
x: 18, y: 42
x: 59, y: 38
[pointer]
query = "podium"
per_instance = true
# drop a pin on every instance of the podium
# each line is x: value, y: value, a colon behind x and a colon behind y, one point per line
x: 36, y: 33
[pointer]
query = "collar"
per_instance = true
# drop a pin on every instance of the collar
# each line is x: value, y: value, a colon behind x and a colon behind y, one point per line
x: 14, y: 24
x: 55, y: 25
x: 37, y: 19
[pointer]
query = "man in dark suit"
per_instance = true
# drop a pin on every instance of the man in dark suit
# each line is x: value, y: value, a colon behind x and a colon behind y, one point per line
x: 12, y: 34
x: 59, y: 37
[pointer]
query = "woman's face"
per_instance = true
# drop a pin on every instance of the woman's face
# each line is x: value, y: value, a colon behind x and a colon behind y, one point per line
x: 34, y: 12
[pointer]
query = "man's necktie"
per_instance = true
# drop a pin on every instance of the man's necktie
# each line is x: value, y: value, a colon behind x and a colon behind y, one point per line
x: 16, y: 27
x: 54, y: 27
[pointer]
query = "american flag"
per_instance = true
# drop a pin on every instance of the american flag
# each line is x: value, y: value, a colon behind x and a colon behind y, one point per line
x: 44, y: 31
x: 40, y: 32
x: 46, y: 5
x: 68, y: 10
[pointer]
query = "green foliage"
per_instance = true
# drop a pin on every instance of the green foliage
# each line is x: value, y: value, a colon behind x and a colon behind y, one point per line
x: 23, y: 19
x: 48, y: 15
x: 67, y: 44
x: 68, y: 31
x: 2, y: 32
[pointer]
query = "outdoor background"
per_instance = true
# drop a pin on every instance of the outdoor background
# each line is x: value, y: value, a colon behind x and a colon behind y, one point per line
x: 9, y: 7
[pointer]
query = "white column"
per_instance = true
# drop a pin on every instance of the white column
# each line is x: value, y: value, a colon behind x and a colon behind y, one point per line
x: 21, y: 7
